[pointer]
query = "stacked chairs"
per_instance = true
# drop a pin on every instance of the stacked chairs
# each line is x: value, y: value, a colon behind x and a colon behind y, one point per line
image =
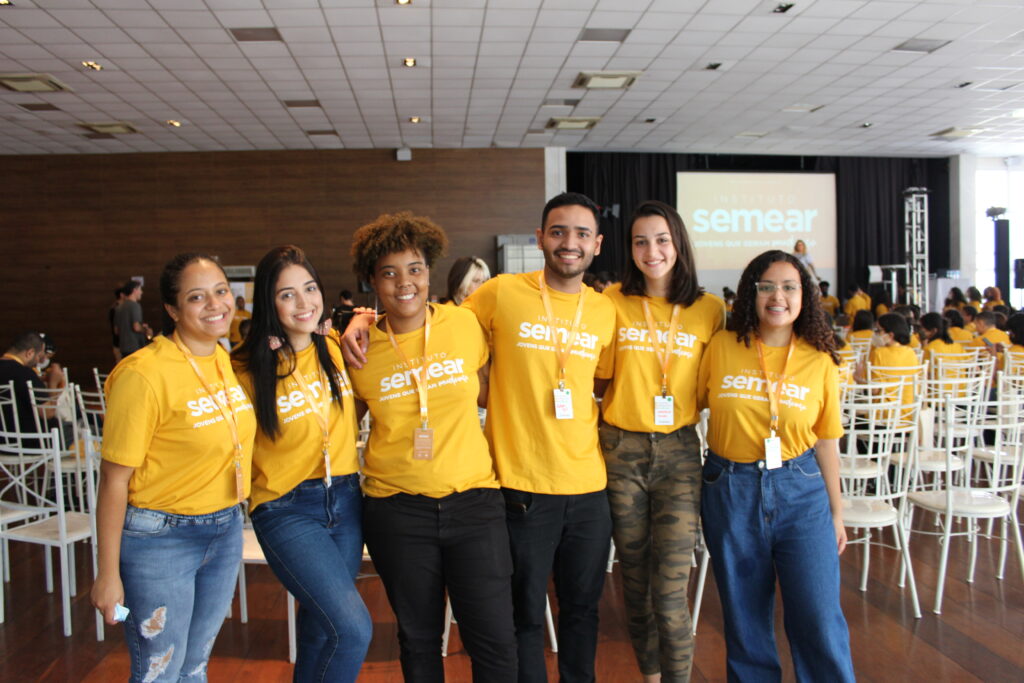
x: 56, y: 408
x: 881, y: 429
x: 100, y: 378
x: 33, y: 507
x: 958, y: 496
x: 92, y: 409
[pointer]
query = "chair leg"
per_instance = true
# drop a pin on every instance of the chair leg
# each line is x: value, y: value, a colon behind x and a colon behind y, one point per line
x: 972, y: 539
x: 551, y: 624
x: 1004, y: 544
x: 698, y: 598
x: 5, y: 549
x: 48, y: 563
x: 1020, y: 546
x: 941, y: 585
x: 72, y: 572
x: 905, y: 552
x: 866, y: 535
x: 447, y: 626
x: 292, y: 654
x: 65, y: 588
x: 243, y: 600
x: 611, y: 558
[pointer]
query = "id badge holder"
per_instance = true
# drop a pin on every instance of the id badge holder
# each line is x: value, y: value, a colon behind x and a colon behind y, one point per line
x: 664, y: 411
x: 423, y: 444
x: 563, y: 404
x: 773, y: 452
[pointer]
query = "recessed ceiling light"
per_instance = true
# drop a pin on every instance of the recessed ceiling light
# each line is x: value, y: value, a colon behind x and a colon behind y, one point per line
x: 95, y: 66
x: 110, y: 127
x: 783, y: 7
x: 606, y: 80
x: 573, y: 122
x: 6, y: 3
x: 603, y: 35
x: 713, y: 66
x: 298, y: 104
x: 414, y: 119
x: 409, y: 61
x: 560, y: 102
x: 256, y: 35
x: 923, y: 45
x: 173, y: 123
x: 22, y: 82
x: 866, y: 124
x: 955, y: 133
x: 324, y: 131
x: 803, y: 108
x: 403, y: 2
x: 39, y: 106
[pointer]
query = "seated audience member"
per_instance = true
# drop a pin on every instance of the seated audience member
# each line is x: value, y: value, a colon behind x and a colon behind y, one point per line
x: 863, y: 325
x: 857, y: 300
x: 910, y: 313
x: 1002, y: 316
x: 235, y: 335
x: 969, y: 313
x: 974, y: 297
x: 1015, y: 329
x: 342, y: 312
x: 19, y: 365
x: 993, y: 298
x: 882, y: 304
x: 989, y: 336
x: 828, y: 302
x: 956, y: 326
x: 51, y: 372
x: 890, y: 357
x: 935, y: 329
x: 955, y: 300
x: 243, y: 331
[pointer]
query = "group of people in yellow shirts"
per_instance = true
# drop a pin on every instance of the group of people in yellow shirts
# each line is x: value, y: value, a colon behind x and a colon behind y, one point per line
x: 483, y: 516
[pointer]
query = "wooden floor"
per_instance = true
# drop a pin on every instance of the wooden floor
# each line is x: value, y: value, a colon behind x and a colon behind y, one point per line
x: 979, y: 635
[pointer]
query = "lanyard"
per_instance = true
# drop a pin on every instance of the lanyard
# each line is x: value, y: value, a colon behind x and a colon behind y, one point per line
x: 774, y: 397
x: 419, y: 377
x: 321, y: 411
x: 664, y: 355
x: 226, y: 409
x: 561, y: 352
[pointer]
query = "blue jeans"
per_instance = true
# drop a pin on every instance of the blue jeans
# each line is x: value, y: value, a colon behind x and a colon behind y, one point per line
x: 313, y: 541
x: 570, y: 535
x: 761, y: 524
x: 179, y: 576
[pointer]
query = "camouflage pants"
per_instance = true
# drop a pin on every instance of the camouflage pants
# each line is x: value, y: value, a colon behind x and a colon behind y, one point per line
x: 654, y: 493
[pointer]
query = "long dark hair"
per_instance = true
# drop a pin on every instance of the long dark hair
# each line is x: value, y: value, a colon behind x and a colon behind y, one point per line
x: 937, y: 323
x: 255, y: 354
x: 683, y: 287
x: 811, y: 325
x: 896, y: 325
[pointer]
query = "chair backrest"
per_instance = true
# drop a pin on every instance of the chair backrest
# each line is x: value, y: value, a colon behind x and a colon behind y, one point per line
x: 91, y: 409
x: 8, y: 417
x: 35, y: 482
x: 100, y: 378
x: 57, y: 402
x: 910, y: 377
x: 1002, y: 423
x: 959, y: 426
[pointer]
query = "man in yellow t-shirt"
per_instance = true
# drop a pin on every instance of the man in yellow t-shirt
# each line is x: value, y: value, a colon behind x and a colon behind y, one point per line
x: 542, y: 427
x: 989, y: 335
x: 857, y: 301
x: 235, y: 334
x: 828, y: 302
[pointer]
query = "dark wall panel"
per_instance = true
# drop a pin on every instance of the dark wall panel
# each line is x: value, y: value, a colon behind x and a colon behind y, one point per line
x: 74, y: 227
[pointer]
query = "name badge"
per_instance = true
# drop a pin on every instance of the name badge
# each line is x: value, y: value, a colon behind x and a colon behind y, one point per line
x: 422, y: 444
x: 773, y: 452
x: 664, y: 414
x: 563, y: 404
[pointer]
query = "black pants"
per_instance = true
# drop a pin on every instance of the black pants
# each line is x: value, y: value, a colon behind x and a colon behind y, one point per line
x: 572, y: 535
x: 422, y: 546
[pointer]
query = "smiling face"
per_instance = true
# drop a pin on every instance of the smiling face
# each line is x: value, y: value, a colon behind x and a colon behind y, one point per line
x: 779, y: 309
x: 205, y: 304
x: 569, y: 241
x: 402, y: 282
x: 299, y: 304
x: 653, y: 251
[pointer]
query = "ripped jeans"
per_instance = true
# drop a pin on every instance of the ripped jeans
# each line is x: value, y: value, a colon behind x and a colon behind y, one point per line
x: 179, y: 575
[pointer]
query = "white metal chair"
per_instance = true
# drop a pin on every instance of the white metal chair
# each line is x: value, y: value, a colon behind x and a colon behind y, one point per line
x: 100, y: 378
x: 92, y: 409
x: 252, y: 553
x: 449, y: 618
x: 43, y: 519
x: 56, y: 408
x: 878, y: 425
x: 959, y: 498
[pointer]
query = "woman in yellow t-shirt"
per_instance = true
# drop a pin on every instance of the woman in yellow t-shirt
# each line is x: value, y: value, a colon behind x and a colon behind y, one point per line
x: 935, y: 329
x: 306, y: 505
x: 993, y: 298
x: 177, y: 448
x: 465, y: 275
x: 771, y: 503
x: 663, y: 321
x: 862, y: 327
x: 890, y: 357
x: 434, y: 517
x: 956, y: 326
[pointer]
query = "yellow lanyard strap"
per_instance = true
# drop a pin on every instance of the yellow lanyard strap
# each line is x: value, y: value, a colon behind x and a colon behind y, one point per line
x: 419, y: 377
x: 774, y: 397
x: 321, y: 411
x: 561, y: 352
x: 664, y: 354
x: 223, y: 404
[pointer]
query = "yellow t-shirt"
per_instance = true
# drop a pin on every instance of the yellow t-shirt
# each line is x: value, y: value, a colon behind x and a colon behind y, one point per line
x: 629, y: 401
x: 995, y: 336
x: 279, y: 466
x: 940, y: 347
x: 915, y: 341
x: 732, y: 385
x: 161, y: 421
x: 1017, y: 350
x: 861, y: 334
x: 959, y: 334
x: 461, y: 460
x: 534, y: 451
x: 857, y: 302
x: 971, y: 328
x: 883, y: 358
x: 234, y: 333
x: 830, y: 304
x: 989, y: 305
x: 880, y: 310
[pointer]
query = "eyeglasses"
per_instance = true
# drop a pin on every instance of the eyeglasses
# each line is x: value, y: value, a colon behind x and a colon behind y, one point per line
x: 769, y: 288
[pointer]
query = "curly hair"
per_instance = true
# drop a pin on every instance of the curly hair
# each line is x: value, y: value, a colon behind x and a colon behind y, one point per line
x: 396, y: 232
x: 811, y: 325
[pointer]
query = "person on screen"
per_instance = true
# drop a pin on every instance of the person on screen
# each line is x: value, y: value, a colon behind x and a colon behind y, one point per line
x: 802, y: 255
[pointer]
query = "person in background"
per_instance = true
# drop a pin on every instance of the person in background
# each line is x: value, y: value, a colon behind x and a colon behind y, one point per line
x: 343, y: 311
x: 177, y: 449
x: 856, y: 300
x: 956, y: 326
x: 771, y: 504
x: 433, y: 516
x: 133, y: 334
x: 989, y: 336
x: 974, y: 298
x: 464, y: 277
x: 804, y: 257
x: 969, y: 313
x: 828, y: 302
x: 728, y: 296
x: 882, y: 304
x: 235, y: 335
x: 935, y: 329
x: 890, y: 354
x: 18, y: 364
x: 243, y: 331
x: 909, y: 313
x: 306, y: 504
x: 993, y: 298
x: 955, y: 300
x: 602, y: 280
x: 863, y: 325
x: 649, y: 439
x: 1015, y: 330
x: 111, y: 313
x: 51, y: 371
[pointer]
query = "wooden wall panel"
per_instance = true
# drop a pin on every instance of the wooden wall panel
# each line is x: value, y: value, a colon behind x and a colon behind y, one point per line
x: 74, y: 227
